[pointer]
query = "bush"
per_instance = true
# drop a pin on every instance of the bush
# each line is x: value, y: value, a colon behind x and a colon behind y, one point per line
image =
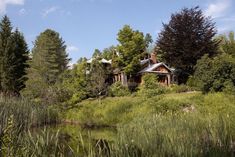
x: 215, y: 74
x: 150, y: 86
x: 117, y: 89
x: 229, y: 87
x: 193, y: 83
x: 180, y: 88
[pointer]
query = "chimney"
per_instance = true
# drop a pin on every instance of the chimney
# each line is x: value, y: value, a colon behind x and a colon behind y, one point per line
x: 154, y: 57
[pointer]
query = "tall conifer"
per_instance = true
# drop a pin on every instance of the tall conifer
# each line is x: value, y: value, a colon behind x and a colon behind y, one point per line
x: 49, y: 60
x: 6, y: 55
x: 21, y: 54
x: 13, y: 58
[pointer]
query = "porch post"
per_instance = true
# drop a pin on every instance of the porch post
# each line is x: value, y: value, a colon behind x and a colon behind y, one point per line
x: 168, y: 79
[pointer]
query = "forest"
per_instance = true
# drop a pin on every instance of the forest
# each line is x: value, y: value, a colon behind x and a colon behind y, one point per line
x: 51, y: 108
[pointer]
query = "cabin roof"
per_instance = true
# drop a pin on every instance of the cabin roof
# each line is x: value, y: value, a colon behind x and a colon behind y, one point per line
x: 102, y: 61
x: 151, y: 68
x: 144, y: 61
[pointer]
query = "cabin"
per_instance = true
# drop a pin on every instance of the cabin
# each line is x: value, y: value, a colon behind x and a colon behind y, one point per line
x: 166, y: 75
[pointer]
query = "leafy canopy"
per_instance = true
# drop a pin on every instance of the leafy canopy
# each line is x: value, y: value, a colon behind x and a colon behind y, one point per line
x: 215, y: 74
x: 130, y: 49
x: 227, y: 43
x: 185, y: 39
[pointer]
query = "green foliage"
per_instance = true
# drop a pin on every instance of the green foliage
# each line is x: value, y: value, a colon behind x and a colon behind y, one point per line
x: 150, y: 86
x: 6, y: 53
x: 215, y: 74
x: 193, y: 83
x: 18, y: 116
x: 180, y: 44
x: 148, y: 40
x: 227, y: 43
x: 21, y: 54
x: 109, y: 53
x: 131, y: 48
x: 98, y: 74
x: 45, y: 143
x: 13, y: 59
x: 96, y: 53
x: 180, y: 88
x: 74, y: 82
x: 48, y: 62
x: 178, y: 135
x: 118, y: 90
x: 119, y: 110
x: 159, y: 126
x: 185, y: 124
x: 229, y: 87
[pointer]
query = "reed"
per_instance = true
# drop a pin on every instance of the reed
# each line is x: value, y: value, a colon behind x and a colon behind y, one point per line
x: 17, y: 116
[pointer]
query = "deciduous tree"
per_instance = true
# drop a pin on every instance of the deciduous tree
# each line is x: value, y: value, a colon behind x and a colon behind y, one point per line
x: 185, y: 39
x: 227, y: 44
x: 132, y: 45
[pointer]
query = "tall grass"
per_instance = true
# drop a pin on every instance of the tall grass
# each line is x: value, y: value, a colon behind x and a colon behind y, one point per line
x: 168, y: 135
x: 178, y: 135
x: 160, y: 127
x: 17, y: 116
x: 156, y: 127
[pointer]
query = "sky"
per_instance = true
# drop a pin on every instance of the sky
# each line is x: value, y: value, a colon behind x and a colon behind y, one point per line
x: 86, y: 25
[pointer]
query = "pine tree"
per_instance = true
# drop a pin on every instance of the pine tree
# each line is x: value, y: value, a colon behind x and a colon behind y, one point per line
x: 49, y: 60
x: 13, y: 59
x: 6, y: 56
x: 21, y: 54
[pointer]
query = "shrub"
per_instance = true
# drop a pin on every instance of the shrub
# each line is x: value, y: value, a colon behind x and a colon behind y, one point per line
x: 117, y: 89
x: 229, y: 87
x: 150, y: 86
x: 214, y: 74
x: 180, y: 88
x: 193, y: 83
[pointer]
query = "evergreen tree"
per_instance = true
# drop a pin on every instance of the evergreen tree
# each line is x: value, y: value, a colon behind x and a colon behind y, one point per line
x: 21, y: 54
x: 6, y: 55
x: 185, y: 39
x: 13, y: 58
x: 49, y: 60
